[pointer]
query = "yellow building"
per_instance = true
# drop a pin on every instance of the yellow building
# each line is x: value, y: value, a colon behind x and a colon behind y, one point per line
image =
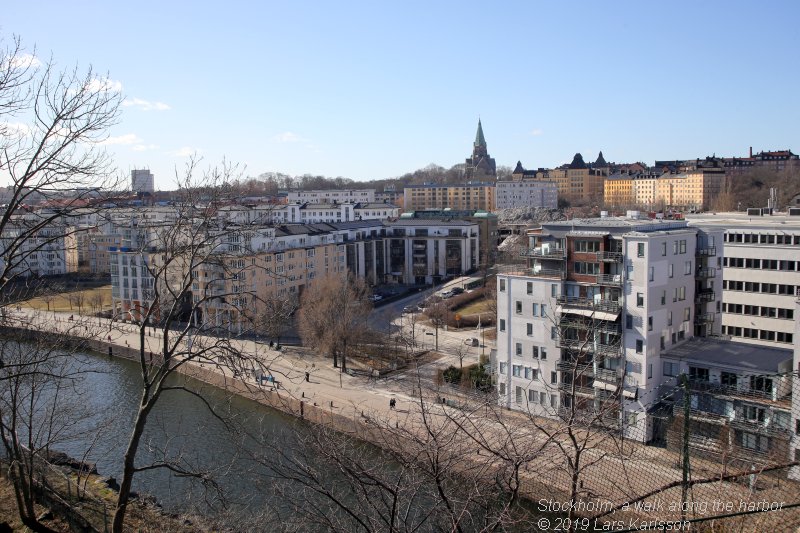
x: 472, y: 196
x: 618, y: 191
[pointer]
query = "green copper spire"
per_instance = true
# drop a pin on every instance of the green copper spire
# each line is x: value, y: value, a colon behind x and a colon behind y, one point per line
x: 479, y: 139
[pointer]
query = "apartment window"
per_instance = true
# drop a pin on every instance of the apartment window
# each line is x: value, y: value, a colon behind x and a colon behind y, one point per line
x: 681, y: 293
x: 698, y: 374
x: 728, y: 379
x: 687, y: 267
x: 529, y: 328
x: 553, y: 401
x: 529, y: 287
x: 669, y: 270
x: 664, y: 248
x: 639, y: 299
x: 649, y: 323
x: 663, y: 297
x: 553, y: 378
x: 544, y: 310
x: 516, y: 370
x: 631, y: 419
x: 502, y: 324
x: 663, y: 342
x: 502, y: 285
x: 535, y: 352
x: 518, y: 350
x: 669, y: 318
x: 535, y: 309
x: 532, y: 396
x: 553, y: 332
x: 518, y: 306
x: 628, y: 321
x: 543, y: 354
x: 760, y: 383
x: 639, y: 346
x: 554, y: 290
x: 674, y: 247
x: 671, y: 369
x: 640, y: 249
x: 687, y: 314
x: 683, y: 246
x: 651, y: 273
x: 650, y: 370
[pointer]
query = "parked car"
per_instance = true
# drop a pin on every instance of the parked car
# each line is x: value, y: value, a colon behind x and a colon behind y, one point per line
x: 446, y: 294
x: 472, y: 341
x: 456, y: 290
x: 376, y: 297
x: 411, y: 309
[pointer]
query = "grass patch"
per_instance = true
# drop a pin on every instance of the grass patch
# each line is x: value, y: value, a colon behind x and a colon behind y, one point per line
x: 473, y: 308
x: 86, y: 300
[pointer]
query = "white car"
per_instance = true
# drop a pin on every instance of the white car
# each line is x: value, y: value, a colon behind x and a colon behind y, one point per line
x: 376, y: 297
x: 472, y: 341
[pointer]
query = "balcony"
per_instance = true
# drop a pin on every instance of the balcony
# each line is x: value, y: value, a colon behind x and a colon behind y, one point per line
x: 601, y: 326
x: 612, y: 280
x: 706, y: 251
x: 608, y: 375
x: 732, y: 391
x: 704, y: 297
x: 548, y: 273
x: 579, y: 390
x: 579, y: 369
x: 588, y: 346
x: 706, y: 273
x: 576, y: 302
x: 609, y: 257
x: 558, y: 254
x: 704, y: 318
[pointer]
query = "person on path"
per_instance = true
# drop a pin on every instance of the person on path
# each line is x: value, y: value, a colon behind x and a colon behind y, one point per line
x: 307, y: 377
x: 392, y: 403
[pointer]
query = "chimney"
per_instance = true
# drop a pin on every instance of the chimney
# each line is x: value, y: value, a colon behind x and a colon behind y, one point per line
x: 751, y: 152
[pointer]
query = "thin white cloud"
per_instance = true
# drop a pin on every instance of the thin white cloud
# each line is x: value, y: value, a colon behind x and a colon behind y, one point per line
x: 15, y: 128
x: 123, y: 140
x: 185, y: 151
x: 104, y: 84
x: 144, y: 147
x: 23, y: 61
x: 536, y: 132
x: 287, y: 137
x: 145, y: 105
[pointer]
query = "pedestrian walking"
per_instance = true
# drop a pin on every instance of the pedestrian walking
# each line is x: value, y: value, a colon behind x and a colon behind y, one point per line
x: 307, y: 377
x: 392, y: 403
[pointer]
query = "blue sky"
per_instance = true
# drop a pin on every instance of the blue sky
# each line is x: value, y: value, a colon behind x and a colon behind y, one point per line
x: 375, y: 89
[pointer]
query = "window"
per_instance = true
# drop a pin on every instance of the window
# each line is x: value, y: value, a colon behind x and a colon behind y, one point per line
x: 698, y: 374
x: 502, y: 368
x: 529, y: 288
x: 687, y: 267
x: 663, y: 342
x: 535, y: 309
x: 760, y: 383
x: 728, y: 379
x: 532, y: 396
x: 664, y: 297
x: 535, y: 352
x: 650, y: 323
x: 630, y: 419
x: 650, y: 370
x: 502, y: 285
x: 554, y: 377
x: 553, y: 332
x: 516, y: 370
x: 544, y: 310
x: 518, y: 350
x: 554, y: 290
x: 518, y: 306
x: 681, y: 293
x: 502, y: 324
x: 669, y: 270
x: 753, y: 413
x: 671, y: 369
x: 687, y: 314
x: 640, y: 249
x: 529, y: 328
x: 664, y: 248
x: 553, y: 401
x: 683, y: 246
x: 639, y: 346
x: 543, y: 354
x: 651, y: 273
x: 628, y: 321
x: 639, y: 299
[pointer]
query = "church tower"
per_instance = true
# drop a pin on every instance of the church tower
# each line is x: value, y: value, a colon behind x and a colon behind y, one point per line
x: 480, y: 166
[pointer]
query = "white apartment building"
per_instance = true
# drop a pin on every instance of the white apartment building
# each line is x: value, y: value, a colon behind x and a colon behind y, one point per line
x: 329, y: 196
x: 587, y: 319
x: 526, y: 193
x: 761, y: 275
x: 309, y: 213
x: 142, y: 180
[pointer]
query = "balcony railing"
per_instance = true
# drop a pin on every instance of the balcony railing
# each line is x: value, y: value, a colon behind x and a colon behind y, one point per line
x: 548, y: 273
x: 706, y: 251
x: 576, y: 302
x: 730, y: 390
x: 703, y: 297
x: 607, y: 375
x: 545, y: 253
x: 609, y: 257
x: 579, y: 389
x: 614, y: 280
x: 580, y: 369
x: 589, y: 346
x: 602, y: 326
x: 705, y: 273
x: 704, y: 318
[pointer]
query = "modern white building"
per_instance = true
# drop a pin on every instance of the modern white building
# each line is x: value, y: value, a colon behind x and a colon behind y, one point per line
x: 142, y: 180
x: 526, y: 193
x: 585, y: 322
x: 761, y: 275
x: 329, y: 196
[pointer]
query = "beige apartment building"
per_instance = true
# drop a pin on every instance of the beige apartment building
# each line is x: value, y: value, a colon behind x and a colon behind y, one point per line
x: 471, y: 196
x: 691, y: 190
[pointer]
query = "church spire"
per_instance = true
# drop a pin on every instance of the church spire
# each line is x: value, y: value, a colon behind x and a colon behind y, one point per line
x: 480, y: 141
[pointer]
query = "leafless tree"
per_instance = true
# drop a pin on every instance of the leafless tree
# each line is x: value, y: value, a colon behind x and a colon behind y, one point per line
x: 274, y: 315
x: 333, y: 315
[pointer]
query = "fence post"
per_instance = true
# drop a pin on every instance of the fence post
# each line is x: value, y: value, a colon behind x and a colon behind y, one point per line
x: 687, y: 404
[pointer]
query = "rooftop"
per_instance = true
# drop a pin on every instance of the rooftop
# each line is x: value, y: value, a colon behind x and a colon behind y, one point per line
x: 721, y: 352
x: 741, y: 220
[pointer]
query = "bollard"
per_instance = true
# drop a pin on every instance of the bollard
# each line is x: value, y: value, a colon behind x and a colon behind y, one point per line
x: 301, y: 409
